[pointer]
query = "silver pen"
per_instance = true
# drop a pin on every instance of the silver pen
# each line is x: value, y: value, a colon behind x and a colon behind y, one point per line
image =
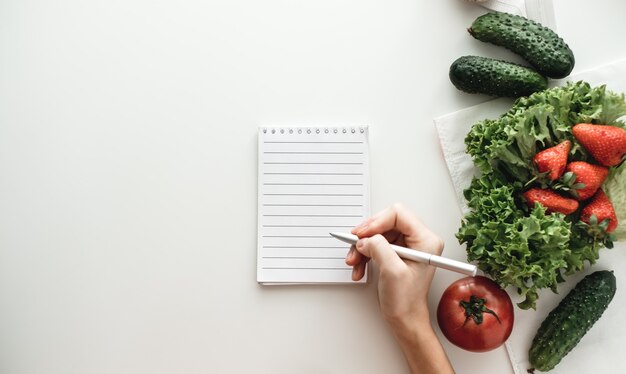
x: 418, y: 256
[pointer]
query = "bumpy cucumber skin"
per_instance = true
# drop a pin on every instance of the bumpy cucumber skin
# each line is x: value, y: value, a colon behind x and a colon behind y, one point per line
x: 538, y: 45
x: 571, y: 319
x: 475, y: 74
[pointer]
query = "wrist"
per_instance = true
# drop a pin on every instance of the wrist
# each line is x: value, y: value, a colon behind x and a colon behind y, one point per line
x: 422, y: 347
x: 417, y: 317
x: 410, y: 328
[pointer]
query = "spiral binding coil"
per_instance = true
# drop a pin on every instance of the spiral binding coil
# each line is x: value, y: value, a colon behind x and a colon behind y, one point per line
x: 316, y: 130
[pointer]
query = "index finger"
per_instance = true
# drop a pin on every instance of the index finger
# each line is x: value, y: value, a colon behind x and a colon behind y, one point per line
x: 396, y: 217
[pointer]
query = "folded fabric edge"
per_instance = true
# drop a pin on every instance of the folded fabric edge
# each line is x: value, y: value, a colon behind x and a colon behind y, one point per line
x: 453, y: 172
x: 512, y: 357
x: 509, y: 6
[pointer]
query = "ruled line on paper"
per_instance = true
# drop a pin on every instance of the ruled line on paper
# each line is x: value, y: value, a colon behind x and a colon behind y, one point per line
x: 298, y: 236
x: 312, y: 142
x: 313, y: 184
x: 313, y: 163
x: 311, y: 194
x: 312, y: 215
x: 307, y: 247
x: 311, y: 153
x: 312, y: 173
x: 306, y: 268
x: 309, y: 226
x: 305, y: 257
x: 326, y: 205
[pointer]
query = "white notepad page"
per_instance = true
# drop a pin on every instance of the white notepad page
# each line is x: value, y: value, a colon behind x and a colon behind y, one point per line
x: 312, y: 181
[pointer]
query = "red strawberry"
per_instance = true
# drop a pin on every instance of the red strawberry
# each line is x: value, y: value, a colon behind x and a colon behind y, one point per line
x: 601, y: 207
x: 553, y: 159
x: 592, y: 176
x: 607, y: 144
x: 551, y: 200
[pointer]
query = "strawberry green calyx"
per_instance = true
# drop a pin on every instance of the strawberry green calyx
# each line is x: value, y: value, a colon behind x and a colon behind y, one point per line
x: 589, y: 178
x: 599, y: 210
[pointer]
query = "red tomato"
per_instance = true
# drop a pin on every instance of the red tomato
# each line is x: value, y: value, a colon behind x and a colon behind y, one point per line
x: 474, y: 313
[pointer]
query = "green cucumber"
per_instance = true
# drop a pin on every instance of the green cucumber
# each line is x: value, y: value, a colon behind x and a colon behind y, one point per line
x: 538, y: 45
x: 475, y: 74
x: 571, y: 319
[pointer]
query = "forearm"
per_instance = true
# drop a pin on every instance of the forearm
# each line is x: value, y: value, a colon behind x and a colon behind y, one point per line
x: 422, y: 348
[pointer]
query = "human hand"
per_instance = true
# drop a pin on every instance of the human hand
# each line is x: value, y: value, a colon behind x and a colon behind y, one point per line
x: 403, y: 285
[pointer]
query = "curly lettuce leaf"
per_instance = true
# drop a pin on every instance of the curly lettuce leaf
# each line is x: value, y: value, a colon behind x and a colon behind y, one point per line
x: 521, y: 247
x: 527, y: 252
x: 615, y: 188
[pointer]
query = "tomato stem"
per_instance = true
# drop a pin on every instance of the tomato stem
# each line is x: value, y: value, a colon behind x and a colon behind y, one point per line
x: 474, y: 309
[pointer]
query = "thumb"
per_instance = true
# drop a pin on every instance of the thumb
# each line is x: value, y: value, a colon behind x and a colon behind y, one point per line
x: 379, y: 250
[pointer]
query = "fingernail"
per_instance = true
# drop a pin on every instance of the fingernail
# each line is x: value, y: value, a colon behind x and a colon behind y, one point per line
x: 349, y: 255
x: 360, y: 227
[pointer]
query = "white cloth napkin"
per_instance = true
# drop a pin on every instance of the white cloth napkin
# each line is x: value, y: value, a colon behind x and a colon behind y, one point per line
x: 541, y: 11
x: 600, y: 350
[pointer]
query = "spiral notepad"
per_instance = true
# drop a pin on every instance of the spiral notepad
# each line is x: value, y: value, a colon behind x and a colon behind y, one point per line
x: 312, y: 180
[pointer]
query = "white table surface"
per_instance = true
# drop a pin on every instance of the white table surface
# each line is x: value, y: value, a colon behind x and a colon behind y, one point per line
x: 128, y: 173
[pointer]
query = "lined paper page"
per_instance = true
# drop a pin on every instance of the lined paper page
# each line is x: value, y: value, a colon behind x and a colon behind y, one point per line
x: 312, y: 180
